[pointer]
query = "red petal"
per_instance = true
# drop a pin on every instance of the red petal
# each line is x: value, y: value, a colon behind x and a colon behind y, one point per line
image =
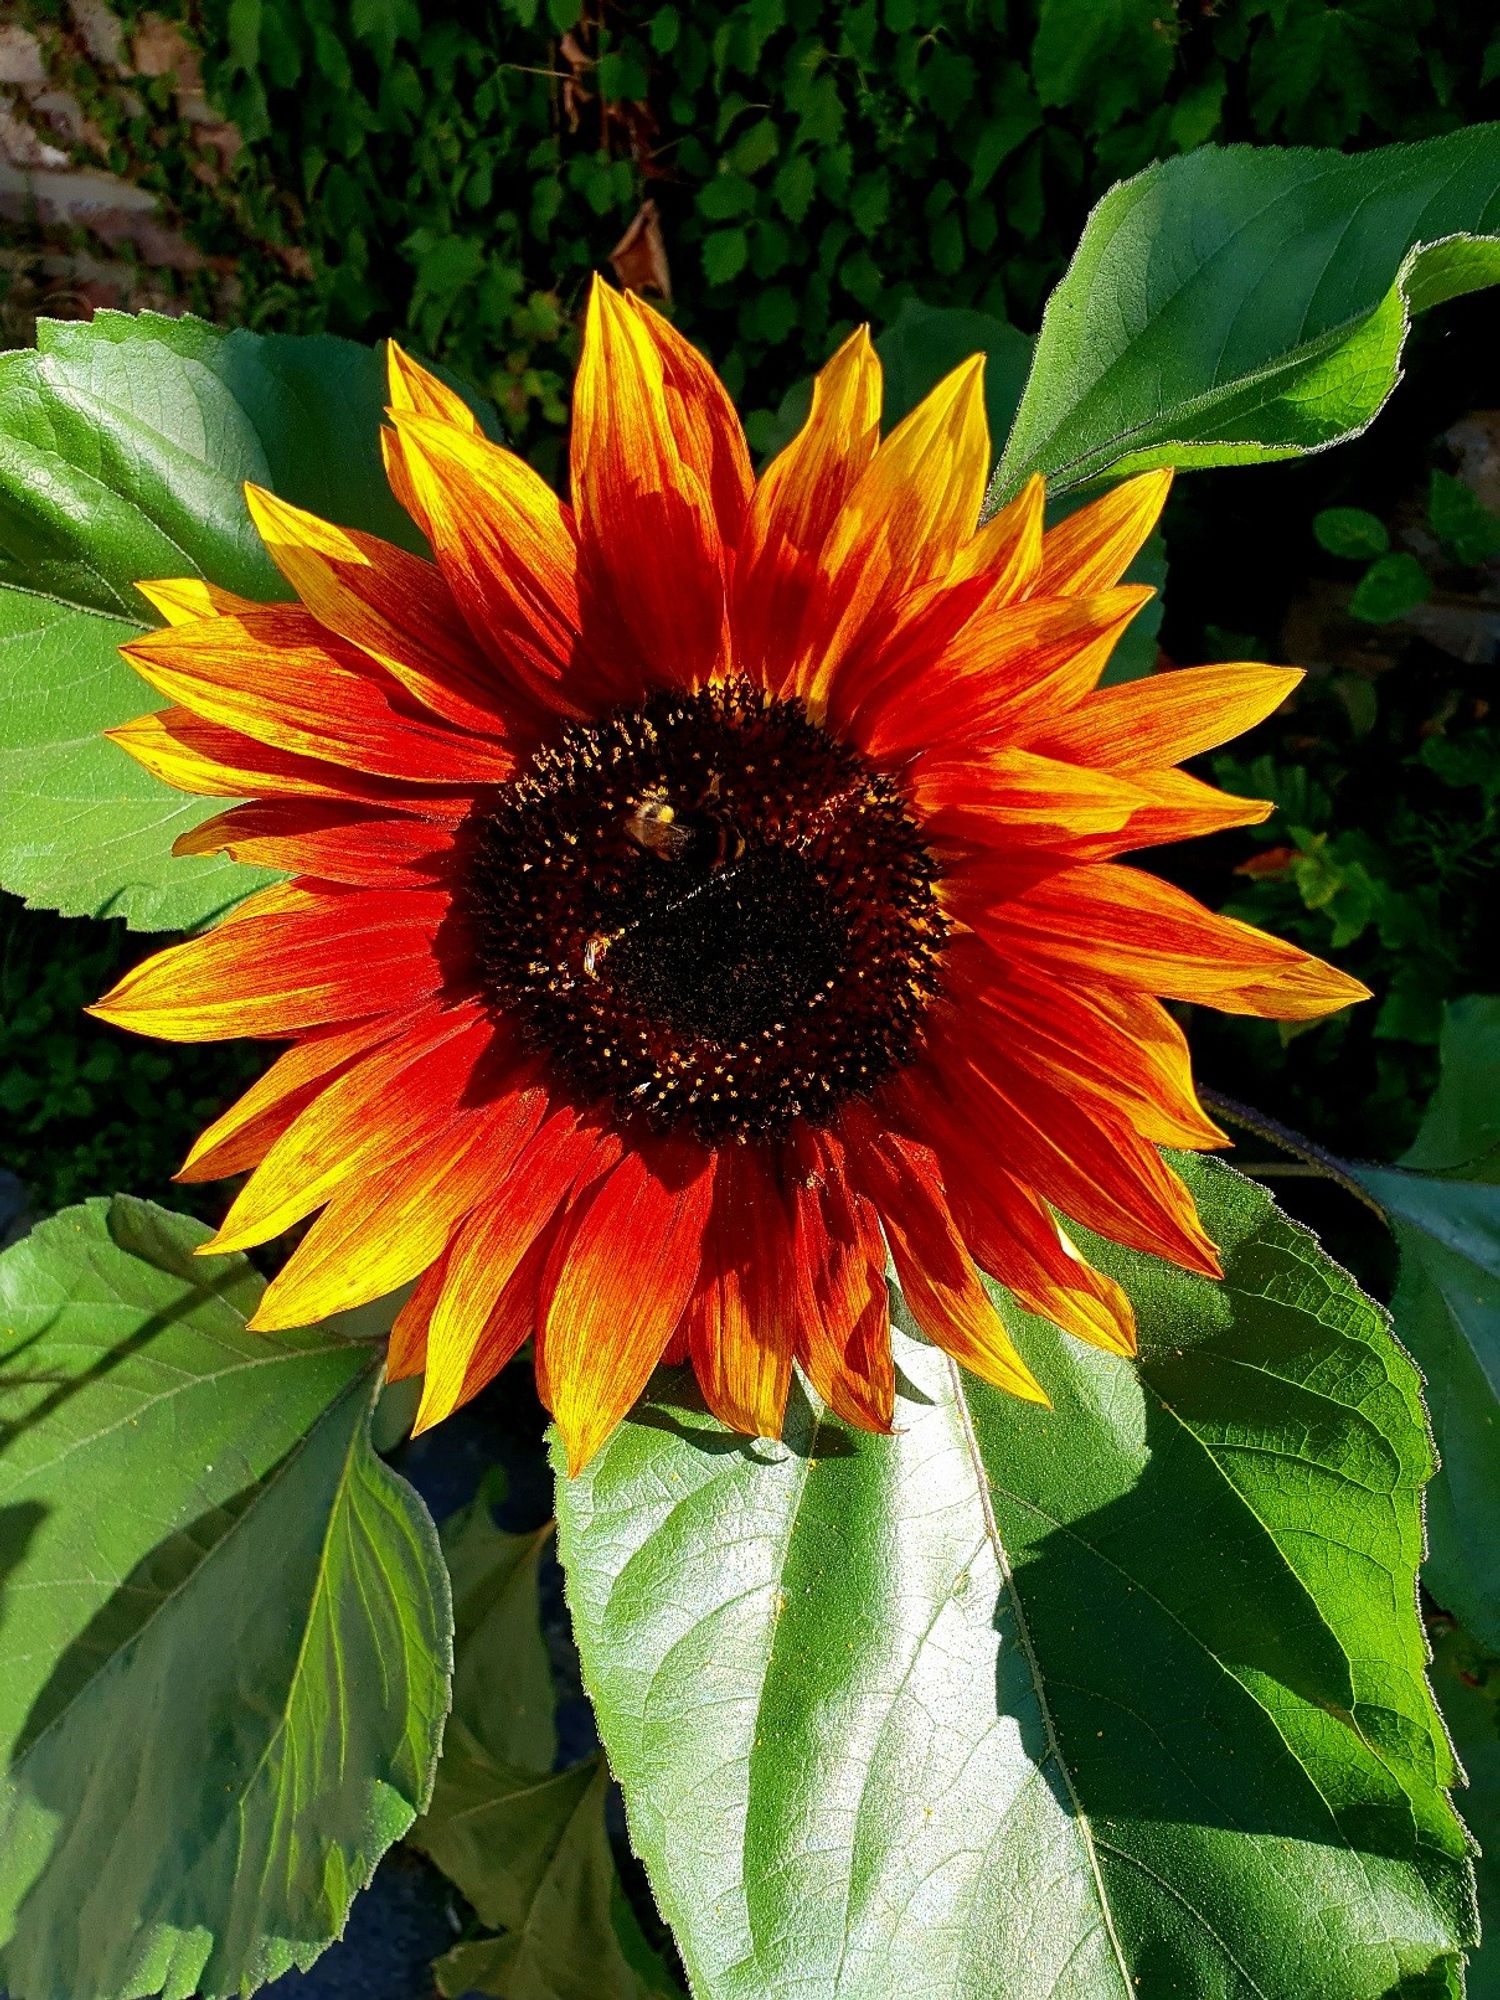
x: 742, y: 1319
x: 310, y: 957
x: 625, y: 1273
x: 842, y: 1296
x: 277, y: 676
x: 653, y: 547
x: 333, y: 839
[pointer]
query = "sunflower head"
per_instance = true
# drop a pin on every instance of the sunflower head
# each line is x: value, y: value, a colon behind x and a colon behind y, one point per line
x: 698, y: 893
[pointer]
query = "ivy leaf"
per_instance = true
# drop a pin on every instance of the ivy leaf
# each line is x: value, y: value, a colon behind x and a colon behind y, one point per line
x: 1111, y: 55
x: 1389, y: 588
x: 1351, y: 532
x: 124, y: 444
x: 1236, y: 305
x: 224, y: 1658
x: 1443, y: 1202
x: 1123, y: 1698
x: 1467, y: 529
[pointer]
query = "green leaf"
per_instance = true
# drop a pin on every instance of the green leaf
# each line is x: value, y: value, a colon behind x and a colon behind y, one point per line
x: 1110, y: 54
x: 725, y: 254
x: 123, y: 447
x: 1122, y: 1699
x: 1467, y: 529
x: 1351, y: 532
x: 1389, y: 588
x: 1235, y: 305
x: 547, y: 1878
x: 1443, y: 1202
x: 527, y: 1847
x: 502, y: 1678
x: 225, y: 1646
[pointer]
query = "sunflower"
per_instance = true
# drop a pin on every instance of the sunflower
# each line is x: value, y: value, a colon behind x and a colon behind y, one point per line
x: 697, y: 894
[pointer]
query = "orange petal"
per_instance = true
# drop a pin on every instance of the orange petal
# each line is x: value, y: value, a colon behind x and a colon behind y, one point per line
x: 277, y: 676
x: 406, y: 1350
x: 901, y: 527
x: 1001, y: 670
x: 1093, y: 1168
x: 183, y: 599
x: 464, y: 1334
x: 323, y: 958
x: 742, y: 1321
x: 392, y: 605
x: 625, y: 1273
x: 237, y: 1140
x: 1015, y: 798
x: 184, y: 751
x: 703, y: 420
x: 843, y: 1301
x: 992, y: 570
x: 1121, y: 1052
x: 333, y: 839
x: 416, y: 391
x: 391, y: 1225
x: 1017, y: 1240
x: 507, y: 549
x: 937, y: 1275
x: 1165, y: 717
x: 1094, y: 547
x: 393, y: 1100
x: 1125, y: 928
x: 1176, y: 806
x: 653, y: 547
x: 1007, y: 550
x: 796, y: 503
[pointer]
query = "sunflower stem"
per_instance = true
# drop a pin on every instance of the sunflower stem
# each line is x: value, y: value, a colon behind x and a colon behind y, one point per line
x: 1313, y: 1156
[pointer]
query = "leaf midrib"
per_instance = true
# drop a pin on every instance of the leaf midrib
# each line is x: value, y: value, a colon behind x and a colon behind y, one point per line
x: 1023, y: 1633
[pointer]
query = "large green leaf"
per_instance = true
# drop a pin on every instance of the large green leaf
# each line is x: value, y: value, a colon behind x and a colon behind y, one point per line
x: 224, y: 1628
x: 1125, y: 1698
x: 1234, y: 305
x: 124, y: 444
x: 1443, y: 1202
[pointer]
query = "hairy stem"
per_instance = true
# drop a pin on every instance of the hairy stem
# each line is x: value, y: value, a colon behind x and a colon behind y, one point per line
x: 1307, y: 1150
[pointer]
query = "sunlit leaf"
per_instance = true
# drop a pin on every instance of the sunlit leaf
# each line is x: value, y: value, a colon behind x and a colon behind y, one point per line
x: 1123, y: 1698
x: 224, y: 1647
x: 1241, y: 304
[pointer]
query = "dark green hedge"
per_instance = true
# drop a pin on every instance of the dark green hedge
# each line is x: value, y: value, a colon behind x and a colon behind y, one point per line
x: 454, y: 170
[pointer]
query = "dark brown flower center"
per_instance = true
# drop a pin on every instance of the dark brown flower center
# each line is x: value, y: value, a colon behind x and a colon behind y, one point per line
x: 708, y: 912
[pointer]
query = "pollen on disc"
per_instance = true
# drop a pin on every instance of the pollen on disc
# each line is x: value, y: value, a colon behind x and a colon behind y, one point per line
x: 707, y: 912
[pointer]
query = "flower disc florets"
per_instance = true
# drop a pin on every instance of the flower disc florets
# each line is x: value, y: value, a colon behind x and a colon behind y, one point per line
x: 709, y: 912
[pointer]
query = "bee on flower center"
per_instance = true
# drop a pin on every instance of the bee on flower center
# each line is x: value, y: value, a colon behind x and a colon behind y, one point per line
x: 659, y: 828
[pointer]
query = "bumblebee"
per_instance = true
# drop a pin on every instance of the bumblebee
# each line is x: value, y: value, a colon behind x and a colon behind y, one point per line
x: 655, y: 825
